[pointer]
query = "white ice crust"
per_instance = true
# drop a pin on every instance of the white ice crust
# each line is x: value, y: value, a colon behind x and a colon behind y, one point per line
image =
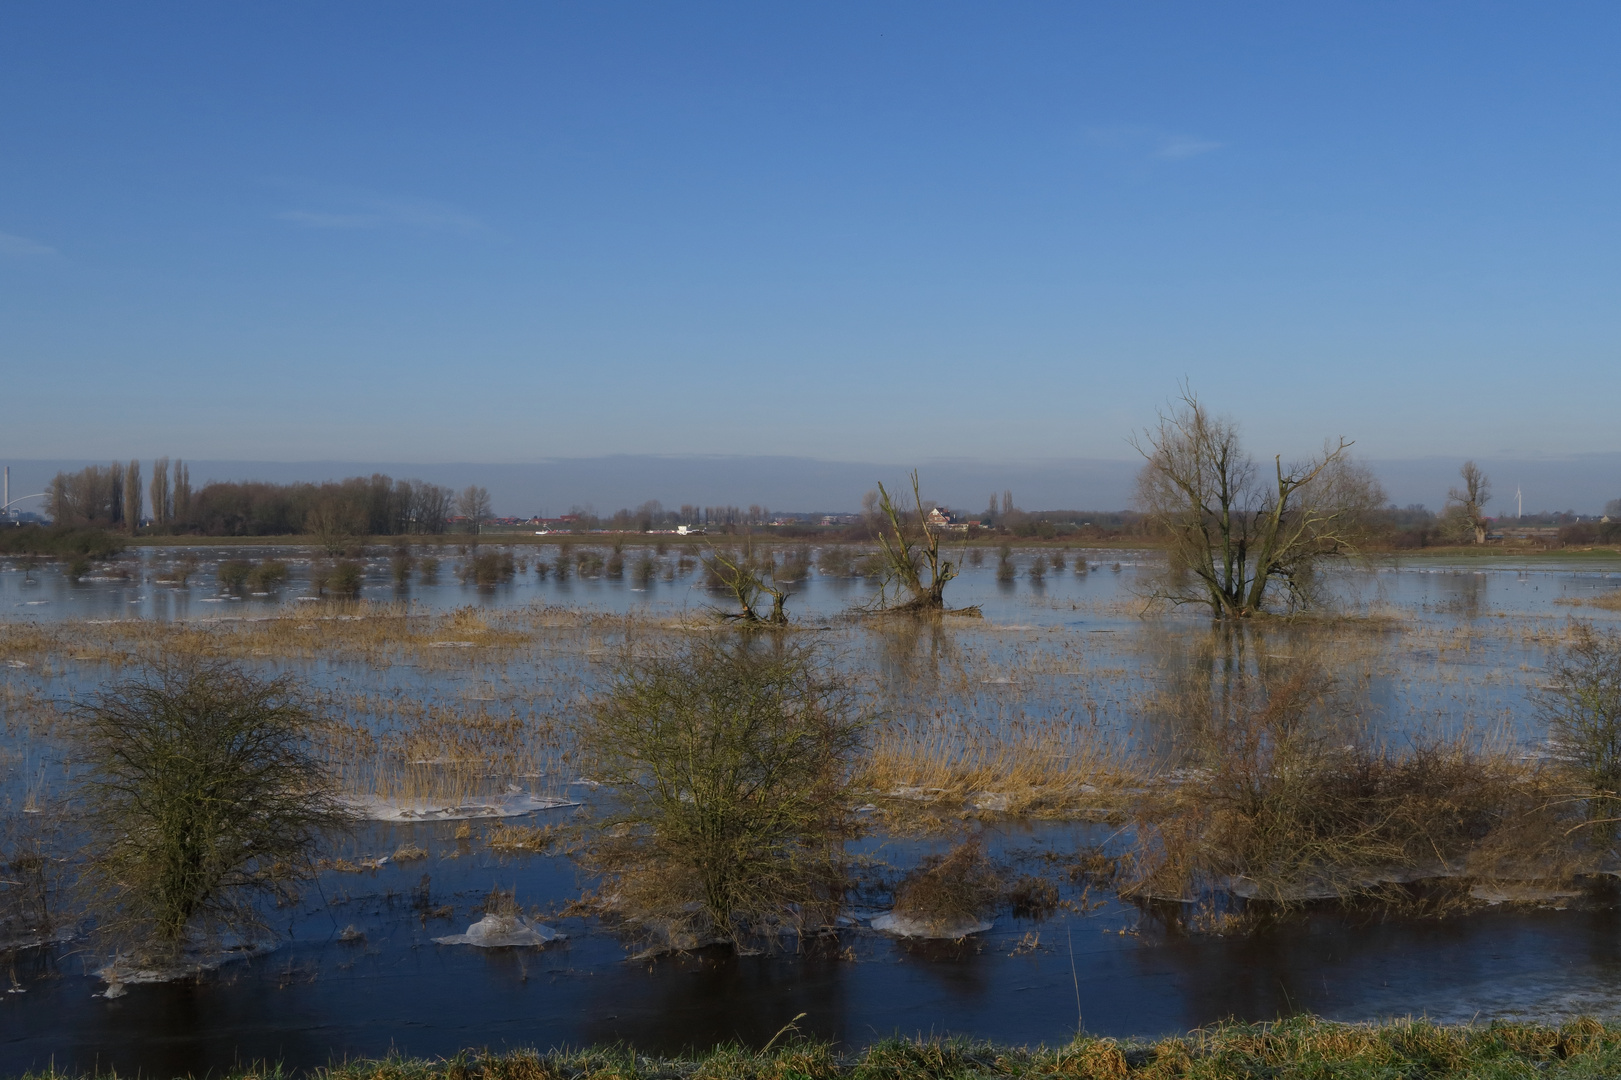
x: 503, y: 931
x: 901, y: 926
x: 512, y: 804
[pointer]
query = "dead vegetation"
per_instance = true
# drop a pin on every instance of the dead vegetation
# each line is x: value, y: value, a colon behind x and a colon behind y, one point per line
x: 1285, y: 795
x: 950, y: 891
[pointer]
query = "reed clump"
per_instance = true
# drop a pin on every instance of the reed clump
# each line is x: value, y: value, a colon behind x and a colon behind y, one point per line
x: 950, y: 891
x: 507, y: 838
x: 1035, y: 769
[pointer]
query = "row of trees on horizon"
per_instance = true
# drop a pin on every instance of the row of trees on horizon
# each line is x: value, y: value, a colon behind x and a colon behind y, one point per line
x: 115, y: 497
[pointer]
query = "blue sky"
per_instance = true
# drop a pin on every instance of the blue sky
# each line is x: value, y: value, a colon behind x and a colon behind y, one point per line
x: 503, y: 233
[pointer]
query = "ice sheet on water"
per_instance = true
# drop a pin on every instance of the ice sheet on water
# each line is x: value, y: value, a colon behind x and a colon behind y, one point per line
x: 904, y: 926
x: 503, y: 931
x: 512, y: 804
x: 199, y: 957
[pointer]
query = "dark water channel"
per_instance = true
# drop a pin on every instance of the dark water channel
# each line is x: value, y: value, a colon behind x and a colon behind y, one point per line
x: 319, y: 998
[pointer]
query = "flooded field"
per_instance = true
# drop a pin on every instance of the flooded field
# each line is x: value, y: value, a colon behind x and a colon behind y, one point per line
x: 1037, y: 728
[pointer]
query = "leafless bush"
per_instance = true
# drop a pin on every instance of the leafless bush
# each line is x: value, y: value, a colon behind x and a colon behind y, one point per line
x: 729, y: 765
x: 1583, y: 713
x: 201, y: 796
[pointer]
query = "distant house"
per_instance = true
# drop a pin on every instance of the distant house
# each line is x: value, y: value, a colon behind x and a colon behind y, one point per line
x: 941, y: 518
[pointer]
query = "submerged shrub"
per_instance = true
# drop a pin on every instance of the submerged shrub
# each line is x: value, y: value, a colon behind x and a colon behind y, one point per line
x: 837, y: 561
x: 1287, y: 800
x: 489, y: 568
x: 1004, y: 564
x: 267, y: 576
x: 232, y: 575
x: 1583, y: 713
x: 428, y: 570
x: 730, y: 763
x: 29, y: 880
x: 950, y: 891
x: 1033, y: 897
x: 201, y: 797
x: 345, y: 579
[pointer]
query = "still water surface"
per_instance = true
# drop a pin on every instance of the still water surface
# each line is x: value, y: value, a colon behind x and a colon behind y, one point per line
x: 360, y: 975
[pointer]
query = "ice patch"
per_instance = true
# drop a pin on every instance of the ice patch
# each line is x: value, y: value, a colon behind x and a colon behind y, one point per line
x: 491, y: 806
x: 905, y: 926
x: 1504, y: 892
x: 196, y: 960
x: 450, y: 644
x: 503, y: 931
x: 922, y: 794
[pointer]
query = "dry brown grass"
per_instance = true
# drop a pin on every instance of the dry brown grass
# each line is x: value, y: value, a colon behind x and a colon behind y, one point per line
x: 508, y: 838
x: 1286, y: 795
x: 951, y: 890
x: 1044, y: 769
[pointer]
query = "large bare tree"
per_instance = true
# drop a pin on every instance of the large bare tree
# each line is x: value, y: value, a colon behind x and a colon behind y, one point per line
x: 1242, y: 538
x: 474, y: 505
x: 1465, y: 505
x: 911, y: 548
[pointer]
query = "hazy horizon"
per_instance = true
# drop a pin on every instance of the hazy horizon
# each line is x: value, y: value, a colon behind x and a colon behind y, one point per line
x: 794, y: 484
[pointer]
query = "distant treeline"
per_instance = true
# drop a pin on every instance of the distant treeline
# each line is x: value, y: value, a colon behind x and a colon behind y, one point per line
x: 112, y: 497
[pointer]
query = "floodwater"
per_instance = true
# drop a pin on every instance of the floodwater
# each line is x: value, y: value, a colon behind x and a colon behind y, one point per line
x: 359, y: 974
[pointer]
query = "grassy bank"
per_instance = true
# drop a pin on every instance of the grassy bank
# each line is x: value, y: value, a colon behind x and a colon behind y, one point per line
x: 1303, y: 1047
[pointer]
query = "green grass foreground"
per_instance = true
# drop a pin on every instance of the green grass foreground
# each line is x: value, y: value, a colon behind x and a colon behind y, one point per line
x: 1305, y: 1048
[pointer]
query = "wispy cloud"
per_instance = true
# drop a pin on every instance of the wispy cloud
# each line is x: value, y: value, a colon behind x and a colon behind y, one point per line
x: 22, y: 247
x: 1151, y: 143
x: 1176, y: 147
x: 368, y: 212
x: 314, y: 220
